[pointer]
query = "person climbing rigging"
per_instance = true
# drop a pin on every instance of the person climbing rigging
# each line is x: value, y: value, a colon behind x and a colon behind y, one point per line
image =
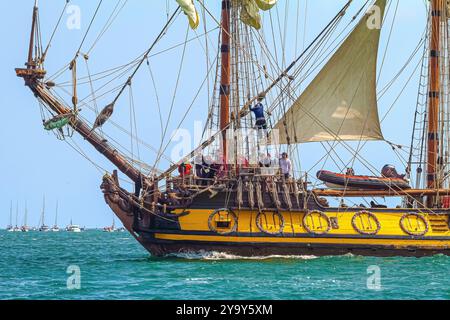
x: 258, y: 111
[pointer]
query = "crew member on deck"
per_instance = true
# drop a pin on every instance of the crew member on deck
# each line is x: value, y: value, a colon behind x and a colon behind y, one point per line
x: 185, y: 169
x: 266, y: 164
x: 350, y: 172
x: 265, y: 160
x: 198, y: 165
x: 285, y: 165
x: 389, y: 171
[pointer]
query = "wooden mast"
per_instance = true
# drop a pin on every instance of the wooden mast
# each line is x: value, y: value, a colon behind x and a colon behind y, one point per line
x: 30, y: 62
x: 225, y: 77
x: 434, y: 99
x: 84, y: 130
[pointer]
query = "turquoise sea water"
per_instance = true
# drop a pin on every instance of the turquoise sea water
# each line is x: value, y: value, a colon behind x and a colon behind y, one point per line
x: 114, y: 266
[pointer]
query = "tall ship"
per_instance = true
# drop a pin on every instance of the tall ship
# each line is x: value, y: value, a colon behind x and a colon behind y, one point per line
x: 244, y: 188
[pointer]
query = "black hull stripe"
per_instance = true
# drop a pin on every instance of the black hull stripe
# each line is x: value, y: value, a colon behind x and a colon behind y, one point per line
x: 164, y: 247
x: 293, y: 236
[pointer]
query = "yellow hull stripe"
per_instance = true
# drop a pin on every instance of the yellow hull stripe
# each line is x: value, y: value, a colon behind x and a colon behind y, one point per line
x: 407, y: 243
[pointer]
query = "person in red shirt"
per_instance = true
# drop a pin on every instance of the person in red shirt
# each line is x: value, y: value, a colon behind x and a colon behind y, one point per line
x: 185, y: 169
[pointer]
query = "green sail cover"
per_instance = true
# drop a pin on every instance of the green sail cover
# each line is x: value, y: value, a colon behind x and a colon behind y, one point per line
x: 56, y: 123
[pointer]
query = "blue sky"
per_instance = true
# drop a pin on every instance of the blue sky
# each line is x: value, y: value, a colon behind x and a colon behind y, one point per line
x: 34, y: 163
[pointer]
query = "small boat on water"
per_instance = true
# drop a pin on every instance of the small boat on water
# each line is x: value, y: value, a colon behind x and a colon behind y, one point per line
x: 73, y: 228
x: 111, y: 228
x: 25, y: 227
x: 10, y: 227
x: 43, y: 227
x: 55, y: 227
x: 339, y: 181
x: 16, y: 227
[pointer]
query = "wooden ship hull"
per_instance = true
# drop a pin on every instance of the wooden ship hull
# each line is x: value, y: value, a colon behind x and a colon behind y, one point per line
x: 310, y: 229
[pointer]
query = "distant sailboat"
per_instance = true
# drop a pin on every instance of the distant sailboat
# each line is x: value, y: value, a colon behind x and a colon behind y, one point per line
x: 111, y: 228
x: 55, y: 227
x: 25, y: 227
x: 43, y: 227
x: 73, y: 227
x: 16, y: 227
x: 10, y: 227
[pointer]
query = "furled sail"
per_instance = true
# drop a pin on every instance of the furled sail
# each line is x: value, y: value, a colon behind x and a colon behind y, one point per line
x: 250, y: 10
x: 190, y: 11
x: 341, y: 102
x: 266, y: 4
x: 250, y: 14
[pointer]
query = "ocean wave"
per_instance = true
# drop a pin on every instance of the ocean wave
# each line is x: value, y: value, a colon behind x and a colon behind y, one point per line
x: 214, y: 255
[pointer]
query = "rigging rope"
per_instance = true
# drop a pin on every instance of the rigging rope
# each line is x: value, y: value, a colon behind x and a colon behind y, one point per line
x: 44, y: 55
x: 144, y: 58
x: 158, y: 158
x: 389, y: 38
x: 89, y: 28
x: 108, y: 23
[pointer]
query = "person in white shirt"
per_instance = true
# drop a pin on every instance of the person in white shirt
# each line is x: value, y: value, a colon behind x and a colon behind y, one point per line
x: 285, y: 165
x: 265, y: 160
x: 267, y: 165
